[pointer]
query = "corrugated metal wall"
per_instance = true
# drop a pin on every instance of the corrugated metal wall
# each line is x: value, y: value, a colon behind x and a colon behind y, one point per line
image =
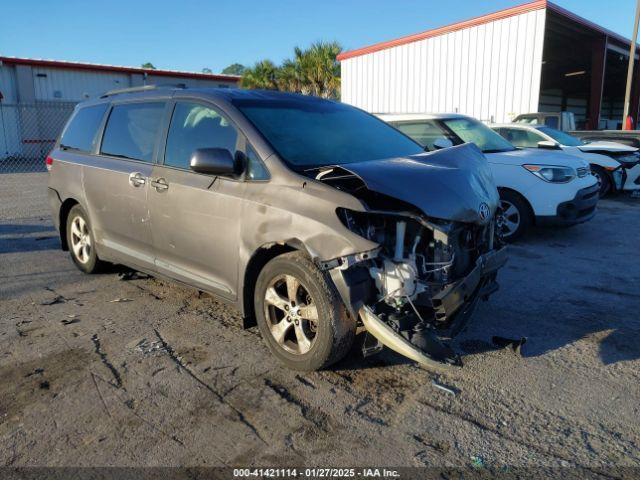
x: 490, y: 71
x: 75, y: 85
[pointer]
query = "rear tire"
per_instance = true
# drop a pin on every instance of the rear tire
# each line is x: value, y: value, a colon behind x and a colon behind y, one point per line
x: 81, y: 241
x: 300, y: 314
x: 604, y: 181
x: 516, y: 216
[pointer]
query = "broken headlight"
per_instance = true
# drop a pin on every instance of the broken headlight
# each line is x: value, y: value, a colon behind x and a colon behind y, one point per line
x: 367, y: 225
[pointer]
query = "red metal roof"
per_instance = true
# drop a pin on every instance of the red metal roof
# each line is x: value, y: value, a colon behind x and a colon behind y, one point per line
x: 491, y: 17
x: 114, y: 68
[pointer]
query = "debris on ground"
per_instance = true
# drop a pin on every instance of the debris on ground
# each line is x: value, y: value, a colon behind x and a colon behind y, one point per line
x: 146, y: 347
x: 54, y: 300
x: 132, y: 275
x: 445, y: 388
x: 70, y: 321
x: 478, y: 462
x: 120, y: 300
x: 515, y: 344
x: 45, y: 385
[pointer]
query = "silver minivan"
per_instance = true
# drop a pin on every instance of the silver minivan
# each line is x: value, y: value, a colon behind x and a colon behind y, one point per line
x: 315, y: 219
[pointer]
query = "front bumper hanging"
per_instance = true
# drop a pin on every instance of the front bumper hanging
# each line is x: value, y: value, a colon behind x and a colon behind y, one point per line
x: 458, y: 299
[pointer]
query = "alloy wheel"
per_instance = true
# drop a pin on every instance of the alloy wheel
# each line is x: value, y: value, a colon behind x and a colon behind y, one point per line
x: 291, y: 314
x: 81, y: 240
x: 510, y: 218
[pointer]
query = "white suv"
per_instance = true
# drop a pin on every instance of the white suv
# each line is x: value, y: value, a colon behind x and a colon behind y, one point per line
x: 536, y: 186
x: 616, y: 166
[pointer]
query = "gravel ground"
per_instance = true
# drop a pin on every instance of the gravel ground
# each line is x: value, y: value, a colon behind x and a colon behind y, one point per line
x: 95, y: 370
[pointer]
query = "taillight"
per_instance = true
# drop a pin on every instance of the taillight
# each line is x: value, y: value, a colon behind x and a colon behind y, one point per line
x: 48, y: 162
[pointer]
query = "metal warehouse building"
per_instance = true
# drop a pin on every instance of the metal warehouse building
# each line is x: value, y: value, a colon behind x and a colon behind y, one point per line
x: 37, y: 97
x: 533, y: 57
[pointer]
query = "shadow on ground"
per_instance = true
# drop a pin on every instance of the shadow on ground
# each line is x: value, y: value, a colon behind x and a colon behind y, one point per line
x: 15, y: 238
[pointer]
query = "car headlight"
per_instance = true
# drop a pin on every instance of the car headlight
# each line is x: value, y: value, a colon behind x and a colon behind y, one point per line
x: 552, y: 173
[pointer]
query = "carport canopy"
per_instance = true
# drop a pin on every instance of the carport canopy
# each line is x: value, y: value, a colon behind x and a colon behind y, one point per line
x: 584, y: 70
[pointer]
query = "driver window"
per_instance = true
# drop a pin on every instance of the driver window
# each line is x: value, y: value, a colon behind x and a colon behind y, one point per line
x: 196, y: 126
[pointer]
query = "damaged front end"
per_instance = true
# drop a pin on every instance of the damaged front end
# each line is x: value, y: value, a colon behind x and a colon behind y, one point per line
x: 418, y: 289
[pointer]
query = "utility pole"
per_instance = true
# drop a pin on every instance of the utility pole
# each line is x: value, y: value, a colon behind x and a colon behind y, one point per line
x: 632, y: 57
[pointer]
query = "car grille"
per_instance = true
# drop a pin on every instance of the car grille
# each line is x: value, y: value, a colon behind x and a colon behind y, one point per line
x: 583, y: 172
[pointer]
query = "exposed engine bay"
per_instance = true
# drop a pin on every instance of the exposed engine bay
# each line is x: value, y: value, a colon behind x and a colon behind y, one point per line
x: 419, y: 287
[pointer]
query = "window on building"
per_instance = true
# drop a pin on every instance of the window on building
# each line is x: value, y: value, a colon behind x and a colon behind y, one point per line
x: 81, y: 131
x: 195, y: 126
x: 132, y: 130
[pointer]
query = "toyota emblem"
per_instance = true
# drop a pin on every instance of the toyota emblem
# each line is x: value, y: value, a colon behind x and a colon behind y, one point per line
x: 484, y: 212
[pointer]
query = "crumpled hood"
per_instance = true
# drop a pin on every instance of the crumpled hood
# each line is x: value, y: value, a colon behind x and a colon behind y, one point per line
x: 449, y: 184
x: 535, y: 156
x: 607, y: 147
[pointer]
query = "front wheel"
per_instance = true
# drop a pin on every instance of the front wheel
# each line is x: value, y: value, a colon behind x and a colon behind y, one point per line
x: 604, y: 181
x: 515, y: 217
x: 300, y: 314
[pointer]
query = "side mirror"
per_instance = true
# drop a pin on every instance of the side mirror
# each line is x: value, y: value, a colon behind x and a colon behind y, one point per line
x: 442, y: 142
x: 213, y: 161
x: 549, y: 145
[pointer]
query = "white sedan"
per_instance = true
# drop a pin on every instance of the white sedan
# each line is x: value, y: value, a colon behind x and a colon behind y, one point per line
x: 536, y: 186
x: 615, y: 165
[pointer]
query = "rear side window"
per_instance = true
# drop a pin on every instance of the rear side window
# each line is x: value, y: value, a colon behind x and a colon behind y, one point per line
x: 521, y: 138
x: 196, y: 126
x: 81, y: 132
x: 132, y: 130
x: 425, y: 132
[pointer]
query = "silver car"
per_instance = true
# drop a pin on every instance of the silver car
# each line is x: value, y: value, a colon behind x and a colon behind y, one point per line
x: 315, y: 219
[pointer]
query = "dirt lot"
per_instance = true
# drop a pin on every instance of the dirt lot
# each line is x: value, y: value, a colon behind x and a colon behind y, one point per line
x: 95, y: 370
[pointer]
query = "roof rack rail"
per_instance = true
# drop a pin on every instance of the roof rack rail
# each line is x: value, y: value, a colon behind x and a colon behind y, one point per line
x: 142, y: 88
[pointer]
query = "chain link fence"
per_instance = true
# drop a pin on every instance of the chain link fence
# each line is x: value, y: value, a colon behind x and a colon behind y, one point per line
x: 28, y: 132
x: 27, y: 135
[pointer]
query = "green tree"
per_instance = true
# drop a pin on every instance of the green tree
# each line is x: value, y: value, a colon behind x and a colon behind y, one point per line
x: 262, y: 75
x: 207, y: 70
x: 234, y: 69
x: 288, y: 77
x: 148, y: 65
x: 319, y: 69
x: 311, y: 71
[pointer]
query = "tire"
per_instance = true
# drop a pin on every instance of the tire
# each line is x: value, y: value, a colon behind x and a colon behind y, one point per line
x: 308, y: 329
x: 516, y: 216
x: 82, y: 247
x: 604, y: 181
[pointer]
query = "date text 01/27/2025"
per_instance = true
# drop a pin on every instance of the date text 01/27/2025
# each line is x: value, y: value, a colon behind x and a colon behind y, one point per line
x: 315, y: 473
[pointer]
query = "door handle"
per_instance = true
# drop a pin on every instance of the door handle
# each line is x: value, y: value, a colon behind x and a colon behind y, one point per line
x: 160, y: 184
x: 136, y: 179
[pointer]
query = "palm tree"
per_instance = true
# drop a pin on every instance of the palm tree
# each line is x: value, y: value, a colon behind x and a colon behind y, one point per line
x: 320, y: 69
x: 313, y: 71
x: 261, y: 75
x: 288, y: 77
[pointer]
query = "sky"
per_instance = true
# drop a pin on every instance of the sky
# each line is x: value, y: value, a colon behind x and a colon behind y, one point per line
x: 191, y: 35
